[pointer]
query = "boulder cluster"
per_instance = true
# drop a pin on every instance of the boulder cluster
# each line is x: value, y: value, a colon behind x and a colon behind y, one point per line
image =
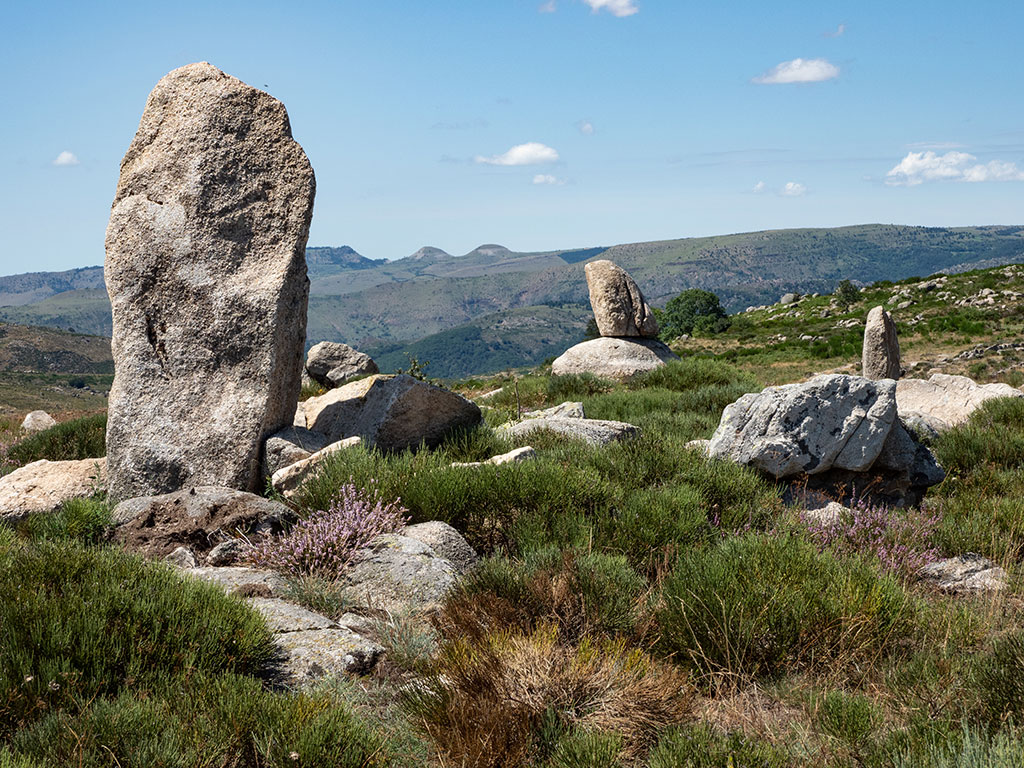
x: 629, y: 342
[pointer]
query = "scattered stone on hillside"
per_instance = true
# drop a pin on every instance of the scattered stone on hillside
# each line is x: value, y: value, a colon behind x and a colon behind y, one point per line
x: 199, y: 518
x: 965, y: 574
x: 835, y: 434
x: 704, y: 446
x: 566, y: 410
x: 489, y: 395
x: 288, y: 480
x: 881, y: 355
x: 313, y: 654
x: 43, y: 486
x: 206, y: 272
x: 182, y: 557
x: 391, y: 413
x: 828, y: 514
x: 37, y: 421
x: 446, y: 542
x: 331, y: 364
x: 282, y: 616
x: 228, y: 552
x: 241, y: 581
x: 290, y: 445
x: 592, y: 431
x: 944, y: 401
x: 397, y: 573
x: 788, y: 298
x: 516, y: 456
x: 618, y: 359
x: 619, y: 307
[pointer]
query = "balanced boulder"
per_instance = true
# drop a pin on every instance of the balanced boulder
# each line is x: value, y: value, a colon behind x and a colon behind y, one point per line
x: 881, y: 353
x: 619, y: 307
x: 619, y: 359
x: 206, y: 273
x: 390, y: 412
x: 331, y: 364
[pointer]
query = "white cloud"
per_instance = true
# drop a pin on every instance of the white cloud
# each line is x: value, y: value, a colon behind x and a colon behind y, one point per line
x: 840, y: 31
x: 759, y: 187
x: 531, y: 153
x: 548, y: 7
x: 547, y: 178
x: 793, y: 189
x: 586, y: 127
x: 799, y: 71
x: 65, y: 158
x: 919, y: 167
x: 618, y: 8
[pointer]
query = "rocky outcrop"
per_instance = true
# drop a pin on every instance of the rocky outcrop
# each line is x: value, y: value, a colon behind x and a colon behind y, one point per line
x: 445, y: 541
x: 37, y: 421
x: 837, y: 433
x: 288, y: 480
x: 943, y: 401
x: 43, y: 486
x: 197, y: 518
x: 591, y: 431
x: 618, y: 359
x: 881, y: 354
x: 619, y: 307
x: 206, y: 273
x: 965, y: 574
x: 397, y: 573
x: 331, y: 364
x: 391, y: 413
x: 566, y: 410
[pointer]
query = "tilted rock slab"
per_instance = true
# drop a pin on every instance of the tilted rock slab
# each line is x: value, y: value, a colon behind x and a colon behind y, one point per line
x: 331, y: 364
x: 618, y: 359
x: 880, y: 358
x: 288, y: 480
x: 43, y: 486
x: 619, y: 307
x: 831, y: 421
x: 290, y: 445
x: 965, y: 574
x: 944, y: 401
x: 206, y: 273
x: 390, y: 412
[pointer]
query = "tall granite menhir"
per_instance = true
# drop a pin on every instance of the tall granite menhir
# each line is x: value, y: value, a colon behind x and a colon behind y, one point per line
x: 206, y: 273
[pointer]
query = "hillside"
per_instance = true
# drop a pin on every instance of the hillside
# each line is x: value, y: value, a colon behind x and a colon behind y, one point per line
x: 375, y: 304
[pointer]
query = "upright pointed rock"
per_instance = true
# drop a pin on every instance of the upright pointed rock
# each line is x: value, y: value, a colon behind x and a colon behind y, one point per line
x: 619, y: 307
x: 881, y: 355
x: 206, y: 273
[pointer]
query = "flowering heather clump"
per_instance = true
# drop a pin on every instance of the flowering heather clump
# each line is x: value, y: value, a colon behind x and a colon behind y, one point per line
x: 325, y: 542
x: 899, y: 539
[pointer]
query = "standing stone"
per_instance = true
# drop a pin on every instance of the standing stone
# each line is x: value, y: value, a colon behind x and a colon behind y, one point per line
x: 206, y: 273
x: 881, y: 358
x: 619, y: 307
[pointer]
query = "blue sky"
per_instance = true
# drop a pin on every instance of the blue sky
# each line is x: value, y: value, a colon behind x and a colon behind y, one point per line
x: 641, y: 119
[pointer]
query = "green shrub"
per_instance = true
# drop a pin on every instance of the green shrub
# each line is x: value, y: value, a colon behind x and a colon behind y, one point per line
x: 217, y: 721
x: 586, y: 749
x: 849, y: 718
x: 756, y: 605
x: 80, y: 622
x: 703, y: 746
x: 692, y: 373
x: 329, y: 597
x: 83, y: 520
x: 970, y: 749
x: 83, y: 438
x: 1000, y: 679
x: 994, y: 434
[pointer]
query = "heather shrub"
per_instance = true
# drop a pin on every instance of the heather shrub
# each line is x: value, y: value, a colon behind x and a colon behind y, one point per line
x: 83, y: 438
x: 756, y: 605
x: 898, y: 539
x: 78, y: 622
x: 326, y: 541
x: 497, y: 699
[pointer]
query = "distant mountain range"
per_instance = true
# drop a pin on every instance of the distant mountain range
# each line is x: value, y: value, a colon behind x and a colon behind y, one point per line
x: 494, y: 308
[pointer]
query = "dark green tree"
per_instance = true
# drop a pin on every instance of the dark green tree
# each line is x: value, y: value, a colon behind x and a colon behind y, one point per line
x: 847, y: 293
x: 693, y: 310
x: 591, y: 331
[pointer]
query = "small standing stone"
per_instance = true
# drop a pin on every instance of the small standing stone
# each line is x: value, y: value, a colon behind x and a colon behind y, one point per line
x: 881, y: 358
x: 619, y: 307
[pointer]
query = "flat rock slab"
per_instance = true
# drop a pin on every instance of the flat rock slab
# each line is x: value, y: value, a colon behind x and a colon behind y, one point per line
x: 282, y: 616
x: 516, y: 456
x: 312, y: 654
x: 206, y: 273
x: 613, y: 358
x: 591, y: 431
x: 397, y: 573
x: 391, y: 413
x: 943, y: 401
x: 198, y: 518
x: 244, y: 582
x: 43, y: 486
x: 831, y: 421
x: 965, y: 574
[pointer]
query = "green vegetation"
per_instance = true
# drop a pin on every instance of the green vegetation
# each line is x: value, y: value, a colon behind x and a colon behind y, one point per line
x: 692, y: 310
x: 83, y: 438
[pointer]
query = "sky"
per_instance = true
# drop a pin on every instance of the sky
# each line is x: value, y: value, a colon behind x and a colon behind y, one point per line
x: 538, y: 124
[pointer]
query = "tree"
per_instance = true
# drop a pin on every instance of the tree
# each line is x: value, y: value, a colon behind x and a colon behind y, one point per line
x: 591, y: 331
x: 693, y: 310
x: 847, y: 293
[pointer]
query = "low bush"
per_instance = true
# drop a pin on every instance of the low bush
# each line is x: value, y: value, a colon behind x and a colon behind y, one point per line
x: 701, y: 746
x: 758, y: 605
x: 972, y: 748
x: 83, y: 438
x: 327, y: 596
x: 994, y: 434
x: 326, y: 541
x: 1000, y: 679
x: 83, y: 520
x: 80, y: 622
